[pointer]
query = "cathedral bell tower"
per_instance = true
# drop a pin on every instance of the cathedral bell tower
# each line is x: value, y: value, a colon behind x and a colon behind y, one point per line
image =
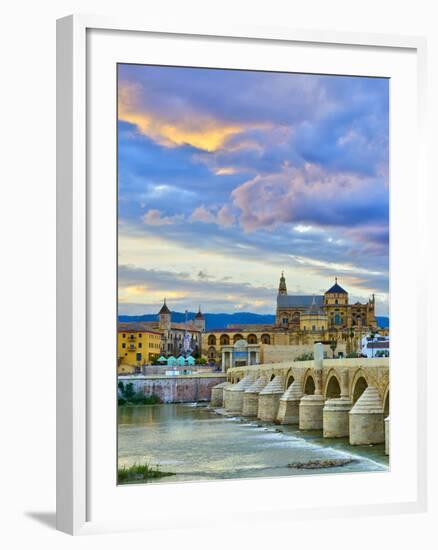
x: 282, y: 290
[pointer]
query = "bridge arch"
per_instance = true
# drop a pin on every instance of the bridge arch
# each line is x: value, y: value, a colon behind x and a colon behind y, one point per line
x: 289, y: 379
x: 358, y: 385
x: 332, y: 386
x: 386, y: 402
x: 309, y: 384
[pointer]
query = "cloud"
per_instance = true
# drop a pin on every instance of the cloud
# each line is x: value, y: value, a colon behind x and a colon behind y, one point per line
x: 309, y: 195
x: 224, y: 217
x: 276, y: 167
x: 201, y: 214
x: 198, y: 130
x: 154, y: 217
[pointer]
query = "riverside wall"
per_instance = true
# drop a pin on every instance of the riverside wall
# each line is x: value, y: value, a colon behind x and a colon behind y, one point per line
x: 176, y: 389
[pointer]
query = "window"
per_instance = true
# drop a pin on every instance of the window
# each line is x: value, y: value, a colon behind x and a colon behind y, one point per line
x: 285, y: 321
x: 123, y: 335
x: 123, y: 345
x: 139, y: 345
x: 139, y: 334
x: 138, y: 356
x: 313, y: 328
x: 336, y: 301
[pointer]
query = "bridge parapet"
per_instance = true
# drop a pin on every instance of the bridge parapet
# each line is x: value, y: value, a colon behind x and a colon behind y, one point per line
x: 347, y: 372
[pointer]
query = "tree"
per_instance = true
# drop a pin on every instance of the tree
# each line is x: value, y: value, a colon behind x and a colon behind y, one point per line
x: 129, y: 391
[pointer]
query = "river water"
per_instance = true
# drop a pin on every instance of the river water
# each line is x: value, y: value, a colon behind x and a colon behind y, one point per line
x: 198, y: 444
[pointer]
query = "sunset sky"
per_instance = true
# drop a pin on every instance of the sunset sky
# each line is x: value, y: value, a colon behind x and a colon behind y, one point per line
x: 226, y: 178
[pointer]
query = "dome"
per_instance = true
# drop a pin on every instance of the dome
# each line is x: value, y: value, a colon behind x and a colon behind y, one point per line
x: 336, y: 289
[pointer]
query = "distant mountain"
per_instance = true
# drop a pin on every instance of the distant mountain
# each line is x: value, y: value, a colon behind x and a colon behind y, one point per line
x: 212, y: 320
x: 222, y: 320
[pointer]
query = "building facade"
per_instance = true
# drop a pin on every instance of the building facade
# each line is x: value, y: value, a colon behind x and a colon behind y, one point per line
x: 301, y: 321
x: 136, y: 346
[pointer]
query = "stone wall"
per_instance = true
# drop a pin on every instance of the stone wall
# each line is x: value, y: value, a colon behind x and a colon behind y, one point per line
x: 278, y: 354
x: 176, y: 389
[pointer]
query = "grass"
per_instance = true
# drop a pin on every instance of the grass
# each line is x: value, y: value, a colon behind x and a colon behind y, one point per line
x: 139, y: 473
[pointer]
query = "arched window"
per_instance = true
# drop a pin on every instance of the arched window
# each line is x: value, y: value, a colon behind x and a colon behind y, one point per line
x: 266, y: 339
x: 285, y: 321
x: 237, y: 337
x: 252, y: 339
x: 225, y: 340
x: 212, y: 340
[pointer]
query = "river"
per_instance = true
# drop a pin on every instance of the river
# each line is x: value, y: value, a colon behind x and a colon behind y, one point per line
x: 198, y: 444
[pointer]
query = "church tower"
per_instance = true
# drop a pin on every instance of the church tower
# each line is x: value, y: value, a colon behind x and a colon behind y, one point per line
x: 282, y: 290
x: 200, y: 320
x: 165, y: 316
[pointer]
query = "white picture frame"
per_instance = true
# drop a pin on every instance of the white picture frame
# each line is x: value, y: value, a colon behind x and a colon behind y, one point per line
x: 76, y: 215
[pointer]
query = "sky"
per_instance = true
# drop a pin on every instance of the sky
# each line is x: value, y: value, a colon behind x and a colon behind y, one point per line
x: 226, y: 178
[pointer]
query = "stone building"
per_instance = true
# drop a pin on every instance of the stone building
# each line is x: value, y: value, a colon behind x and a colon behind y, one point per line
x: 177, y: 335
x: 136, y: 345
x: 301, y: 321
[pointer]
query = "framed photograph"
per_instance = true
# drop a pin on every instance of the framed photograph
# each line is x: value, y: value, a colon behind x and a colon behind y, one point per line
x: 240, y: 275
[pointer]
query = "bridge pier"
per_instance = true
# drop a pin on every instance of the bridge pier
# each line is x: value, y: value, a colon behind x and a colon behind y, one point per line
x: 236, y: 392
x: 335, y: 417
x: 366, y: 419
x: 269, y: 399
x: 217, y: 394
x: 251, y: 396
x: 311, y: 406
x: 226, y: 395
x: 387, y: 435
x: 335, y: 413
x: 288, y: 411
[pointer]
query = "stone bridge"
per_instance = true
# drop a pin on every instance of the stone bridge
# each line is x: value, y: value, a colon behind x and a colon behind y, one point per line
x: 341, y: 397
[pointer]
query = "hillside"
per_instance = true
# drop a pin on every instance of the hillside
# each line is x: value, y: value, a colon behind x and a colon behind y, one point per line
x: 222, y: 320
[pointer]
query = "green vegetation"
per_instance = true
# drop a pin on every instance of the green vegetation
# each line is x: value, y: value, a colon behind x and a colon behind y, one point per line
x: 353, y: 355
x: 138, y: 473
x: 304, y: 357
x: 127, y: 396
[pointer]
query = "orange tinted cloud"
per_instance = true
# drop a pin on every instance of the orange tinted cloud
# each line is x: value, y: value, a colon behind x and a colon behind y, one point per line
x: 200, y: 131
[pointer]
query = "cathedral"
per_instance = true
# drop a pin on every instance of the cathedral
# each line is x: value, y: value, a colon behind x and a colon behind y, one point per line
x: 300, y: 322
x: 321, y: 312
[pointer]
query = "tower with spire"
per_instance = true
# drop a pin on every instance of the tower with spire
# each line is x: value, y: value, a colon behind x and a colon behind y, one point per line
x: 165, y: 317
x: 199, y: 320
x: 282, y: 289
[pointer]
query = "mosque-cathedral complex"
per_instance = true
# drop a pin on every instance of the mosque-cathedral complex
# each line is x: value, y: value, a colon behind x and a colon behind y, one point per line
x: 301, y: 321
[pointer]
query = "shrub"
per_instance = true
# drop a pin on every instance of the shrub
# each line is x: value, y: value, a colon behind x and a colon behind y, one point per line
x: 304, y: 357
